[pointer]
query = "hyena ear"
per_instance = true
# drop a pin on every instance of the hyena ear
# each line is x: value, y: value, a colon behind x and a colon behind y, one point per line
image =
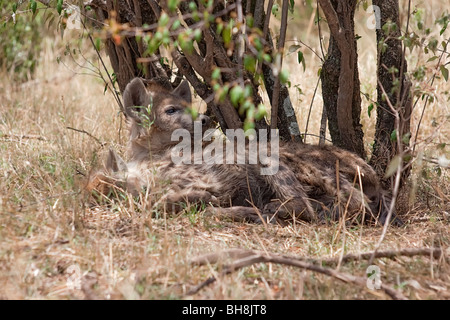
x: 183, y: 91
x: 114, y: 163
x: 135, y: 94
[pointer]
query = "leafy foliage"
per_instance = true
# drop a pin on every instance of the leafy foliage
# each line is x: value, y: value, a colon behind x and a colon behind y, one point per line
x: 21, y: 35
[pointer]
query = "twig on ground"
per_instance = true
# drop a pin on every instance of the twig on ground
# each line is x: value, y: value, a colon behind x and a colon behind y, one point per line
x: 243, y: 258
x: 22, y: 136
x: 246, y: 258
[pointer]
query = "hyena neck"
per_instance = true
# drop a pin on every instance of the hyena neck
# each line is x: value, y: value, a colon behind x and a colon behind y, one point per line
x: 145, y: 150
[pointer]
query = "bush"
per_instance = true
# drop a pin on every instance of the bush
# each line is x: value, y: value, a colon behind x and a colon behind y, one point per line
x: 21, y: 38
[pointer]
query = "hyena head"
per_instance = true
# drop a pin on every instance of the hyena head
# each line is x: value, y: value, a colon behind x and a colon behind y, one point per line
x: 154, y: 113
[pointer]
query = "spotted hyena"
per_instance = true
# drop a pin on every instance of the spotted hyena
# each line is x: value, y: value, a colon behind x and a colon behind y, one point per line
x: 311, y: 182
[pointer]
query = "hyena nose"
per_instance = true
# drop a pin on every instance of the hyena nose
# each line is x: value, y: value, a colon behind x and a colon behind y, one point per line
x: 204, y: 119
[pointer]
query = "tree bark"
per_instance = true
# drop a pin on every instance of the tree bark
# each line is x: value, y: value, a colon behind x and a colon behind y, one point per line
x: 286, y: 118
x: 127, y: 56
x: 340, y: 79
x: 391, y: 67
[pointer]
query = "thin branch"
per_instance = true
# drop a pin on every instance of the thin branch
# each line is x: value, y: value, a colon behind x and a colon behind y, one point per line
x: 398, y: 176
x: 309, y: 47
x: 320, y: 31
x: 23, y: 136
x: 90, y: 135
x: 265, y: 31
x: 213, y: 258
x: 114, y: 91
x: 310, y: 108
x: 333, y: 23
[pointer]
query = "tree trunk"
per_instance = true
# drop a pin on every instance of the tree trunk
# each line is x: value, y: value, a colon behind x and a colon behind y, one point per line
x: 340, y: 79
x: 391, y: 67
x: 128, y: 57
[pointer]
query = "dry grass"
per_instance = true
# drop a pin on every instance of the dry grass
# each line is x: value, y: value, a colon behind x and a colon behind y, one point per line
x: 48, y: 236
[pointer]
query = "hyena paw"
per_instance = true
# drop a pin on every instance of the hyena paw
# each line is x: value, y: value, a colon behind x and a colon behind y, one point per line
x: 287, y: 210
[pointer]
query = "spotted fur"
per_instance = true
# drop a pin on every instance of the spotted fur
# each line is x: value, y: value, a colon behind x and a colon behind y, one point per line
x: 312, y: 182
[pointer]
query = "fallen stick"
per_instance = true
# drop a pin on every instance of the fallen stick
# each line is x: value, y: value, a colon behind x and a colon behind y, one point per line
x: 272, y: 258
x: 22, y: 136
x: 249, y: 257
x: 212, y: 258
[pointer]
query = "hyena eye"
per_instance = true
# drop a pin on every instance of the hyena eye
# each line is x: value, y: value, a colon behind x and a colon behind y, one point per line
x: 171, y: 111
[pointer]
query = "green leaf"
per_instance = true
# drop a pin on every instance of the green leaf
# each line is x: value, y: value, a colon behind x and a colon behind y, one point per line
x: 301, y: 59
x: 275, y: 9
x: 176, y: 25
x: 223, y: 91
x: 267, y: 57
x: 192, y: 6
x: 248, y: 91
x: 284, y: 76
x: 216, y: 87
x: 226, y: 33
x: 370, y: 108
x: 215, y: 74
x: 444, y: 72
x: 33, y: 6
x: 192, y: 112
x: 250, y: 63
x: 261, y: 112
x: 394, y: 136
x: 432, y: 59
x: 236, y: 94
x: 198, y: 35
x: 219, y: 28
x: 291, y: 5
x: 98, y: 42
x: 249, y: 125
x: 59, y: 6
x: 406, y: 138
x: 365, y: 5
x: 433, y: 44
x: 249, y: 21
x: 163, y: 20
x: 392, y: 167
x: 441, y: 146
x: 172, y: 4
x: 14, y: 7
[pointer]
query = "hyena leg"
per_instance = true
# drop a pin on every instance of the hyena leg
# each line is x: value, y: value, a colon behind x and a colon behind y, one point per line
x: 243, y: 214
x: 113, y: 179
x: 175, y: 202
x: 103, y: 188
x: 292, y: 199
x: 380, y: 210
